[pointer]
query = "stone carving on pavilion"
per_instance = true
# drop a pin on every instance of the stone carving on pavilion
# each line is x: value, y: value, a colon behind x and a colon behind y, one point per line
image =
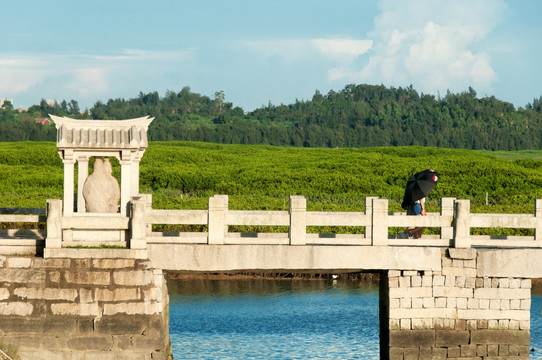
x: 101, y: 190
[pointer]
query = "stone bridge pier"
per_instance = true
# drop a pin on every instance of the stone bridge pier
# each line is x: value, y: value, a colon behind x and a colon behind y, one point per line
x: 86, y: 307
x: 465, y: 310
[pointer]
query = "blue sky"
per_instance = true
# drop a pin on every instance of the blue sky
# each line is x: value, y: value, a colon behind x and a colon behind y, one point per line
x: 267, y: 51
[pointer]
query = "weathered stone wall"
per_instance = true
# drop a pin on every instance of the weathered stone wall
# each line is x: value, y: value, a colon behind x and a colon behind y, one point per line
x: 83, y: 308
x: 453, y: 313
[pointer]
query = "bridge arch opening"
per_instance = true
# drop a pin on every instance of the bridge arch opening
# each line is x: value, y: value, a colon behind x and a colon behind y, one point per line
x: 265, y: 314
x: 536, y: 318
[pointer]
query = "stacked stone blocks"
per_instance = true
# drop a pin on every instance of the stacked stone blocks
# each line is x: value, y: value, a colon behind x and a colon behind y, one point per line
x: 83, y: 308
x: 453, y: 313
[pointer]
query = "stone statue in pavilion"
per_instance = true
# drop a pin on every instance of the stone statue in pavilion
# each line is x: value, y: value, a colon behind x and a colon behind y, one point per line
x: 101, y: 190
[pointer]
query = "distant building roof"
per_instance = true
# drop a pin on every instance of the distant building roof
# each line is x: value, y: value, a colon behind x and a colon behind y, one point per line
x: 43, y: 121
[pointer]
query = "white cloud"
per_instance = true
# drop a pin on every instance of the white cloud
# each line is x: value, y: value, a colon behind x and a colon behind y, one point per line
x: 19, y: 73
x: 334, y: 54
x: 89, y: 81
x: 439, y: 56
x: 76, y: 75
x: 431, y: 44
x: 339, y: 50
x: 134, y: 55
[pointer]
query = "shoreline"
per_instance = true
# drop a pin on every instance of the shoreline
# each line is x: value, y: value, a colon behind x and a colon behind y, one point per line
x: 358, y: 276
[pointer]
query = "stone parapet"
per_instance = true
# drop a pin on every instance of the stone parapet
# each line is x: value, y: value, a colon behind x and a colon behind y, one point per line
x: 454, y: 313
x: 102, y: 308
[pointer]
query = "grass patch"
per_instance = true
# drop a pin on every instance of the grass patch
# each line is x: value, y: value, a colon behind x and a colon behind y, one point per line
x: 9, y: 350
x: 101, y: 246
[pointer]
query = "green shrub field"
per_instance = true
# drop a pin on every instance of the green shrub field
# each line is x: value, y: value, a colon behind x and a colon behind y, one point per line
x: 183, y: 175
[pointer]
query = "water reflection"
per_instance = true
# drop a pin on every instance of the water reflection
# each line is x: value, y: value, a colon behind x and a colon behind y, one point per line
x: 274, y: 319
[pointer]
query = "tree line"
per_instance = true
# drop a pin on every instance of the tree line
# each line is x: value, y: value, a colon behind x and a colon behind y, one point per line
x: 356, y: 116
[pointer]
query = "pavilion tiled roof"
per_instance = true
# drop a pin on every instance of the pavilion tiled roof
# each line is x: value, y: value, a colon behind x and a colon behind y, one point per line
x: 128, y: 134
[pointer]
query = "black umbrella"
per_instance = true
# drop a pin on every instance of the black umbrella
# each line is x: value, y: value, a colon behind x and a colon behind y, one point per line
x: 419, y: 186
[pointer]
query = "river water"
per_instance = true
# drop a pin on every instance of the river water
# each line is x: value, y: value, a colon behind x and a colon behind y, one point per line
x: 285, y: 319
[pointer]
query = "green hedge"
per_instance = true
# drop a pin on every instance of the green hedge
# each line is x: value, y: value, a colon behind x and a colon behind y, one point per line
x: 182, y: 175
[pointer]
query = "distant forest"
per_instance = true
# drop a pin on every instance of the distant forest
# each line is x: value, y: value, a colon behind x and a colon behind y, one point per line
x: 356, y: 116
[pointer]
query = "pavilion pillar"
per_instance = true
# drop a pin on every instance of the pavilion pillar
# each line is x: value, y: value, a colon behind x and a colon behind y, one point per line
x: 134, y: 185
x: 69, y: 173
x: 126, y: 164
x: 82, y: 175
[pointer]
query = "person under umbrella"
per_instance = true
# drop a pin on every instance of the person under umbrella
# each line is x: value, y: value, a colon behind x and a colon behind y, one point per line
x: 416, y: 189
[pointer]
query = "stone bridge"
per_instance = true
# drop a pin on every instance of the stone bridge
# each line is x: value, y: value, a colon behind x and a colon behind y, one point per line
x: 447, y: 295
x: 95, y: 287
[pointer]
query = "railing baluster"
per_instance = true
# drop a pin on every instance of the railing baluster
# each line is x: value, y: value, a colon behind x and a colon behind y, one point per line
x: 538, y: 217
x: 148, y: 208
x: 447, y: 209
x: 369, y: 213
x: 138, y: 221
x: 379, y: 224
x: 298, y: 220
x: 462, y: 224
x: 54, y: 224
x: 218, y: 205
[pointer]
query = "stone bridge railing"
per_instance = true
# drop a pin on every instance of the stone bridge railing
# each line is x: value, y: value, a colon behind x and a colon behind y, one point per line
x: 23, y: 231
x: 293, y: 227
x: 370, y: 227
